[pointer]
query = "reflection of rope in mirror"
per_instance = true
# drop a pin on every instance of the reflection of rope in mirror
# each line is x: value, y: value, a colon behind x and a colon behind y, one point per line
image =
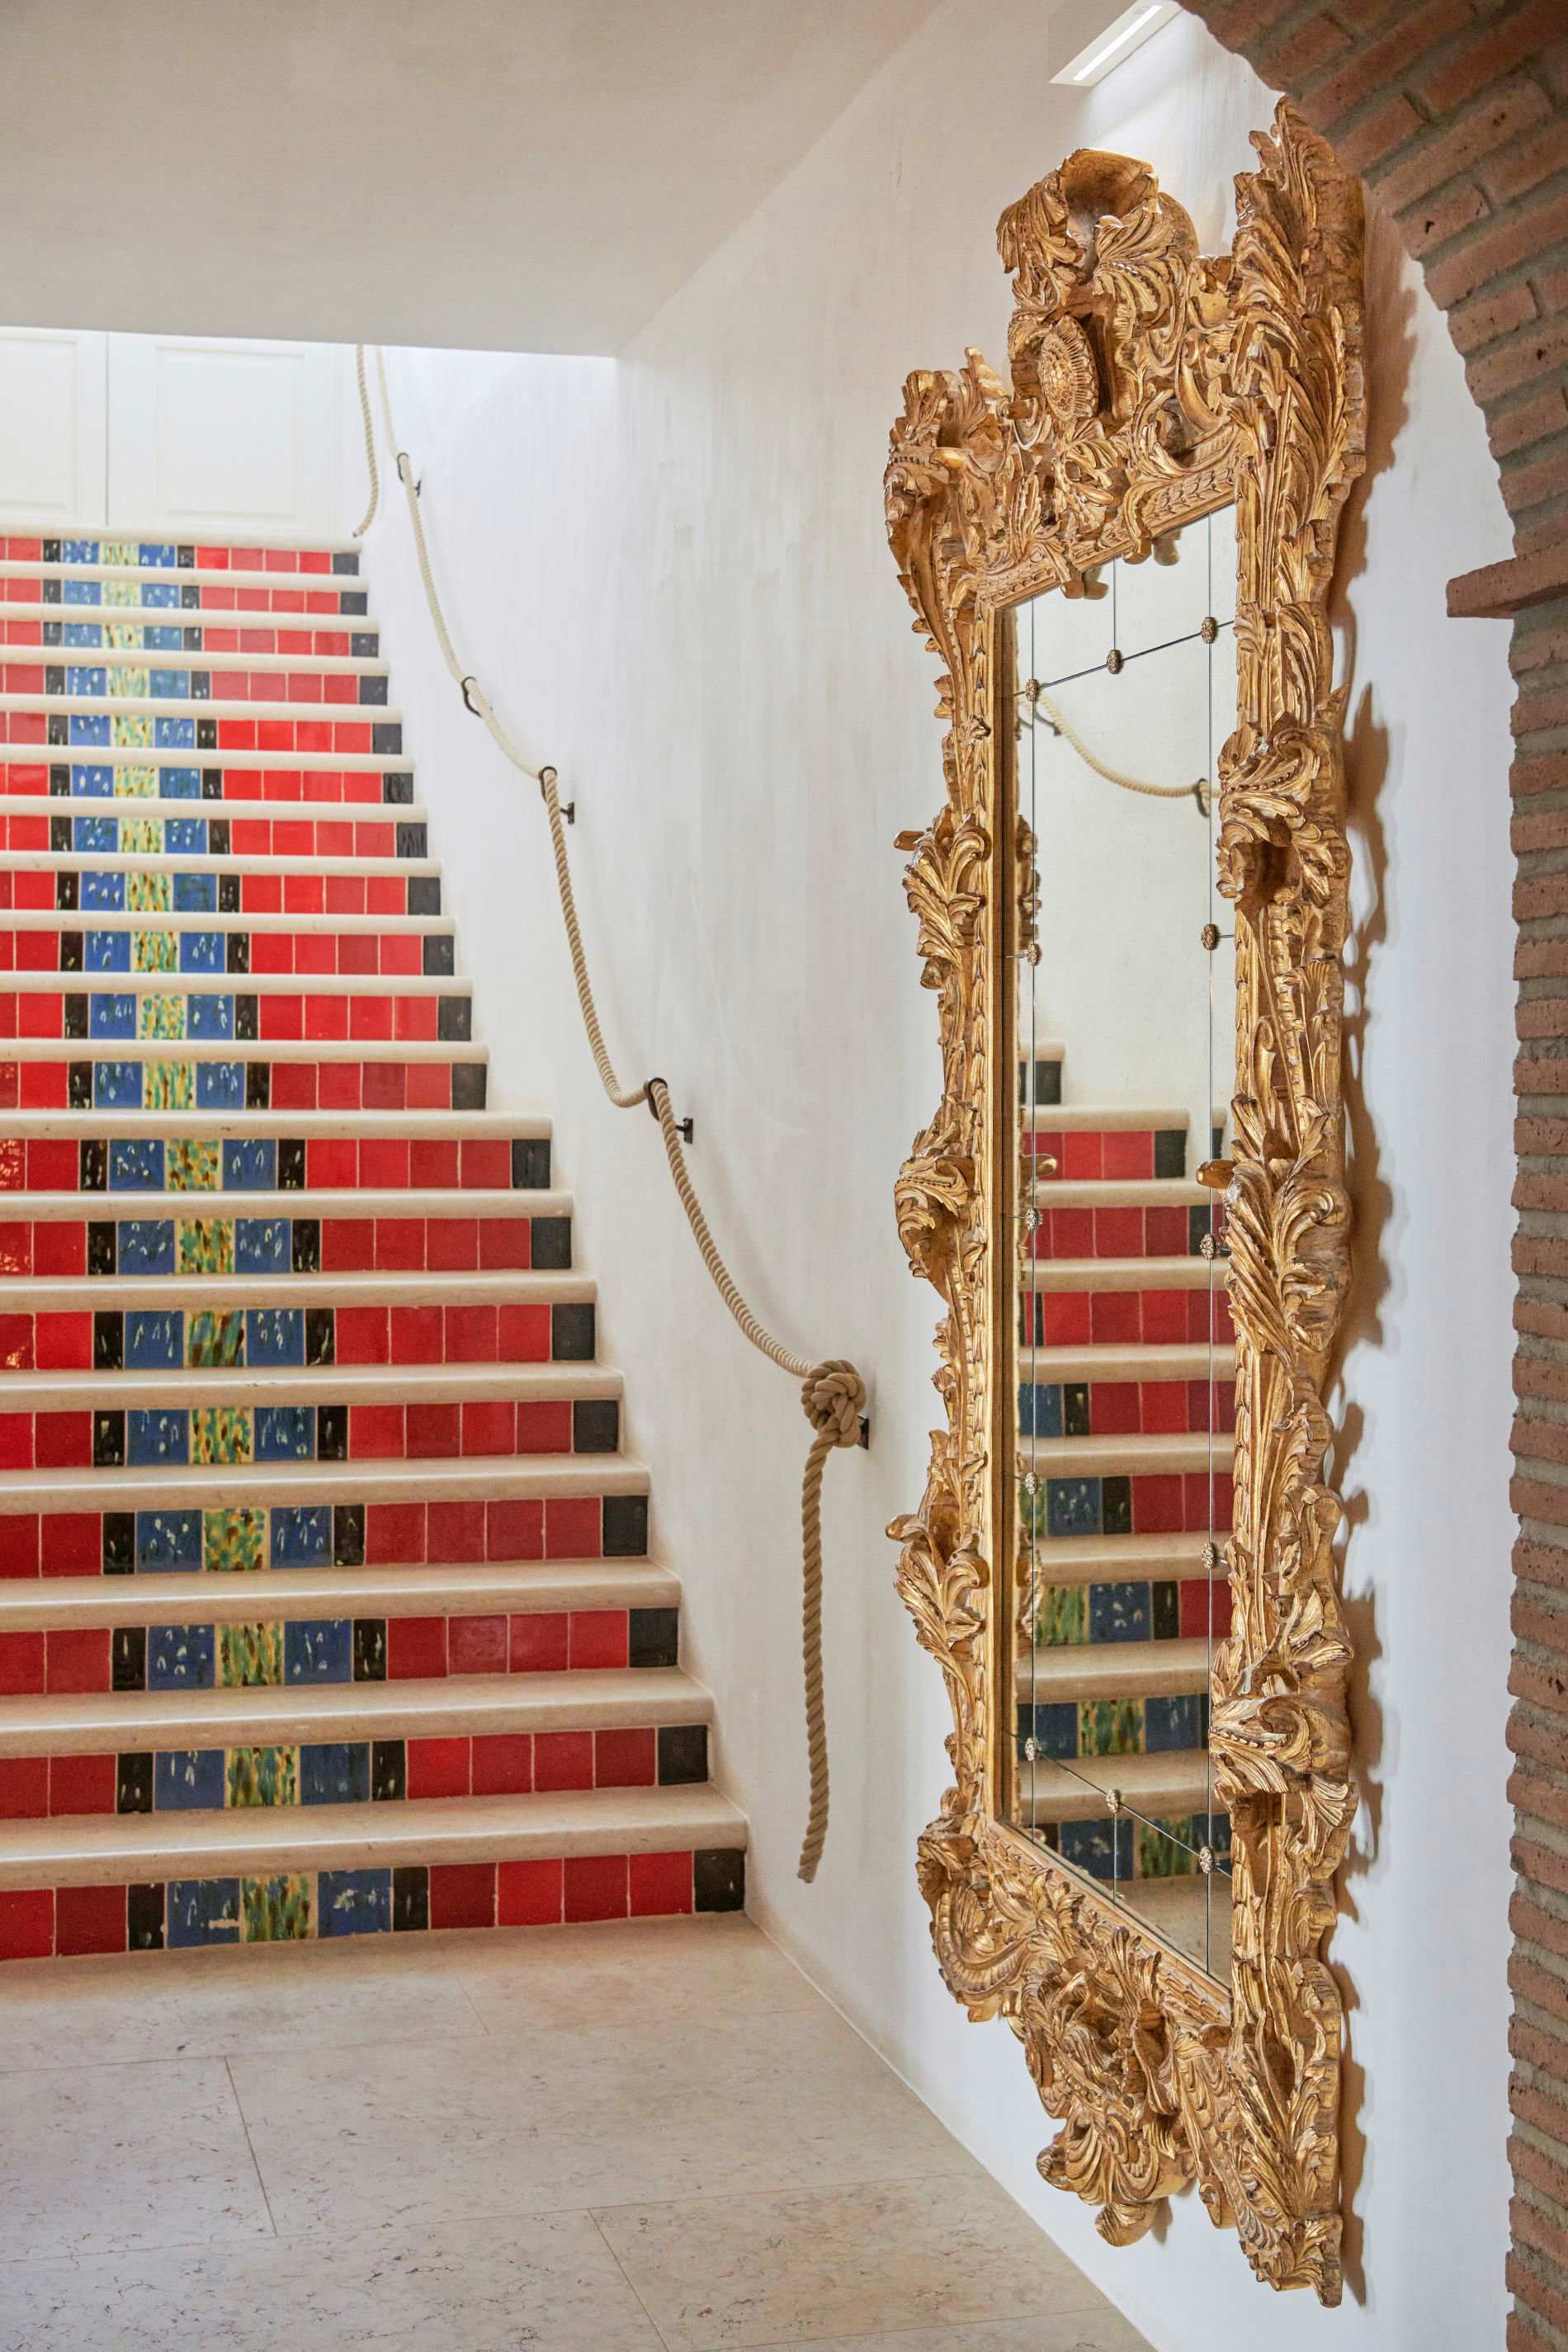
x: 1040, y: 703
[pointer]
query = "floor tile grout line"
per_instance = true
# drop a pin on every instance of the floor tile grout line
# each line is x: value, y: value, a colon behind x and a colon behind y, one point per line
x: 250, y: 2145
x: 631, y: 2282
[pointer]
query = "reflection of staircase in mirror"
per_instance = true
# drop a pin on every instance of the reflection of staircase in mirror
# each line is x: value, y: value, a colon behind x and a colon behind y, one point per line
x: 1130, y: 1507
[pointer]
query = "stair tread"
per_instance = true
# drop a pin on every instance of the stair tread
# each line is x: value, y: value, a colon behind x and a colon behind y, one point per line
x: 266, y: 1715
x: 1122, y: 1560
x: 1122, y: 1274
x: 337, y: 1384
x: 518, y: 1588
x: 242, y: 1049
x: 62, y: 1294
x: 104, y: 1849
x: 1175, y: 1782
x: 1093, y: 1670
x: 1080, y: 1118
x: 219, y: 1485
x: 128, y: 805
x: 148, y: 706
x: 416, y: 1201
x: 440, y: 1126
x: 234, y: 983
x: 1122, y: 1193
x: 1139, y: 1361
x: 98, y: 918
x: 1136, y: 1452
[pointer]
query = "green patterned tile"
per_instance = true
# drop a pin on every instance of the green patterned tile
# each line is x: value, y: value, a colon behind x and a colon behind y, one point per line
x: 136, y: 782
x: 126, y: 551
x: 220, y: 1433
x: 142, y: 836
x: 205, y: 1244
x: 1164, y: 1850
x: 1111, y: 1726
x: 194, y: 1163
x: 161, y: 1016
x: 128, y: 680
x: 169, y: 1085
x: 218, y: 1338
x: 132, y: 731
x: 251, y: 1654
x: 234, y: 1541
x: 122, y: 591
x: 262, y: 1775
x: 1061, y: 1616
x: 275, y: 1910
x: 122, y: 636
x: 150, y: 893
x: 153, y: 952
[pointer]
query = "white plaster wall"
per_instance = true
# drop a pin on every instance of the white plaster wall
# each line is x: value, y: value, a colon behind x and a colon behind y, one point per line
x: 670, y: 572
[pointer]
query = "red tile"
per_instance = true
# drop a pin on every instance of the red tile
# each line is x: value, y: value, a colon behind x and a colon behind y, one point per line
x: 1114, y: 1408
x: 1165, y: 1317
x: 394, y: 1536
x: 1078, y: 1155
x: 1157, y: 1506
x: 78, y: 1658
x: 563, y: 1760
x: 22, y: 1665
x: 452, y: 1244
x: 19, y: 1544
x: 595, y: 1886
x: 1114, y: 1317
x: 472, y: 1334
x: 81, y: 1784
x: 383, y: 1162
x: 487, y: 1164
x: 1129, y: 1151
x: 375, y: 1432
x: 514, y: 1530
x: 52, y: 1166
x: 599, y: 1637
x: 294, y: 1085
x: 1166, y: 1233
x: 16, y: 1342
x: 503, y: 1765
x: 1067, y: 1319
x: 660, y: 1884
x: 71, y: 1543
x: 1201, y: 1602
x: 504, y: 1243
x: 63, y: 1343
x: 476, y: 1646
x: 1118, y: 1232
x: 361, y: 1336
x: 572, y: 1528
x: 369, y: 1017
x: 418, y: 1337
x: 16, y: 1441
x: 340, y: 1086
x: 492, y: 1426
x: 282, y: 1018
x: 529, y: 1893
x: 434, y: 1164
x: 411, y: 1016
x: 626, y: 1759
x: 438, y: 1768
x: 326, y: 1018
x: 428, y: 1086
x: 399, y: 1244
x: 1071, y: 1232
x: 458, y: 1531
x: 348, y: 1244
x: 463, y: 1894
x: 15, y: 1249
x: 540, y: 1643
x: 63, y: 1440
x: 89, y: 1919
x: 24, y: 1788
x: 27, y: 1924
x: 434, y: 1431
x: 1166, y: 1407
x: 522, y: 1335
x: 416, y: 1648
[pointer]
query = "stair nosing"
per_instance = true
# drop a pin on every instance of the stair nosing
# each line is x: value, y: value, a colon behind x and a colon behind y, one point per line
x: 429, y: 1126
x: 29, y: 1294
x: 513, y: 1588
x: 1121, y: 1273
x: 1116, y: 1361
x: 321, y: 1201
x: 1091, y: 1670
x: 1136, y: 1454
x: 214, y: 1486
x: 231, y: 983
x: 1141, y: 1779
x: 148, y: 706
x: 130, y: 1390
x: 1124, y: 1559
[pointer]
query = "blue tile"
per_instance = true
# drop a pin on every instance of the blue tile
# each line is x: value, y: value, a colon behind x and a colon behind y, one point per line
x: 301, y: 1534
x: 111, y: 1016
x: 285, y: 1433
x: 90, y: 729
x: 80, y: 551
x: 1072, y: 1506
x: 1118, y: 1613
x: 187, y: 1781
x: 318, y: 1651
x: 261, y: 1244
x: 86, y: 678
x: 1171, y: 1723
x: 169, y: 685
x: 117, y: 1085
x: 274, y: 1335
x: 185, y: 836
x: 155, y: 1338
x: 174, y: 734
x: 210, y: 1016
x: 102, y: 893
x: 201, y: 950
x: 180, y: 783
x: 180, y: 1657
x: 147, y: 1246
x: 334, y: 1775
x: 96, y: 833
x: 107, y: 950
x: 155, y: 551
x: 195, y: 894
x: 203, y: 1911
x: 83, y: 632
x: 1099, y: 1849
x: 162, y: 640
x: 1039, y: 1410
x: 82, y: 592
x: 353, y: 1902
x: 91, y: 784
x: 220, y: 1085
x: 249, y: 1162
x: 1054, y: 1729
x: 153, y: 1439
x: 169, y: 1539
x: 163, y: 595
x: 136, y: 1162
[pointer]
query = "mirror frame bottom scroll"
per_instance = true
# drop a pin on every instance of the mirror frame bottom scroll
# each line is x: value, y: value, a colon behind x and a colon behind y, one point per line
x: 1149, y: 386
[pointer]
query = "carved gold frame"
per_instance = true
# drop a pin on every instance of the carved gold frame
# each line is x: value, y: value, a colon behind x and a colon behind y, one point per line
x: 1149, y: 386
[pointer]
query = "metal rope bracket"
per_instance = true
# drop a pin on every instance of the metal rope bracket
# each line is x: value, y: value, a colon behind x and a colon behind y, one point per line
x: 684, y: 1128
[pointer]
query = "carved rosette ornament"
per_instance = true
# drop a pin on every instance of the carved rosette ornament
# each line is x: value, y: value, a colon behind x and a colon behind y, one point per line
x: 1149, y: 386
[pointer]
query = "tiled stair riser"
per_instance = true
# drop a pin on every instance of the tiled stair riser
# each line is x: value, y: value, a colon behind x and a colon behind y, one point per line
x: 1107, y: 1154
x: 281, y: 1338
x: 128, y: 629
x: 153, y: 830
x: 255, y: 1083
x: 1110, y: 1318
x: 127, y: 678
x: 235, y: 1244
x: 1121, y: 1232
x: 170, y: 945
x: 136, y: 779
x: 148, y: 731
x: 266, y: 1163
x: 162, y: 1438
x: 1124, y: 1407
x: 252, y: 1016
x: 160, y: 556
x: 153, y: 889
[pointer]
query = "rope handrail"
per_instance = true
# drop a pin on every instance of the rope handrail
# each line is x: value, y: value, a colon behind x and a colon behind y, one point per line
x: 1055, y: 719
x: 833, y: 1392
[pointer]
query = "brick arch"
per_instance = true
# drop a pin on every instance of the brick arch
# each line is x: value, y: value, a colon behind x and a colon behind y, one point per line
x: 1456, y: 114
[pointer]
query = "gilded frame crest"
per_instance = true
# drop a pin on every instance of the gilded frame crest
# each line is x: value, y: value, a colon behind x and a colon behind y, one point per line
x: 1151, y: 386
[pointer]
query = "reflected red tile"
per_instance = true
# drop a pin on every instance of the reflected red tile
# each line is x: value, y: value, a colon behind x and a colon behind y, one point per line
x: 529, y: 1893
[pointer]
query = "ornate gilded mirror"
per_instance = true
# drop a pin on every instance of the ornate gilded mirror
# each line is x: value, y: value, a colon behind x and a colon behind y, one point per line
x: 1131, y: 908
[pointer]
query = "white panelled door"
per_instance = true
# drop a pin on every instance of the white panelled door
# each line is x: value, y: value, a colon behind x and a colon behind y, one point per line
x: 179, y: 433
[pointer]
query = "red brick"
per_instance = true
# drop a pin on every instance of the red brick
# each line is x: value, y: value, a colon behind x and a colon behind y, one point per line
x: 1544, y: 2053
x: 1535, y: 2105
x: 1493, y: 50
x: 1525, y: 164
x: 1543, y: 2299
x: 1378, y: 63
x: 1366, y: 143
x: 1541, y: 647
x: 1531, y: 2164
x: 1539, y: 771
x: 1505, y: 113
x: 1424, y: 228
x: 1509, y: 430
x: 1516, y: 237
x: 1531, y: 353
x: 1520, y: 2337
x: 1529, y: 485
x: 1289, y: 59
x: 1530, y: 1981
x: 1538, y: 714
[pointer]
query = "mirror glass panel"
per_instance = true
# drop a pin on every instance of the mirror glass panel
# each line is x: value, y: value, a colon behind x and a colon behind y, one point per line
x: 1120, y: 699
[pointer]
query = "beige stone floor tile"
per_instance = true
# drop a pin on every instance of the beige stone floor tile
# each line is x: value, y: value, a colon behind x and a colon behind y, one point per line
x: 549, y: 2285
x: 1104, y: 2330
x: 770, y: 2270
x: 543, y: 2122
x: 94, y: 2158
x: 157, y: 2005
x: 641, y: 1972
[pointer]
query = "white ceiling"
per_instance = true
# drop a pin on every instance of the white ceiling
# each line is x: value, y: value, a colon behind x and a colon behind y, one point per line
x: 526, y: 175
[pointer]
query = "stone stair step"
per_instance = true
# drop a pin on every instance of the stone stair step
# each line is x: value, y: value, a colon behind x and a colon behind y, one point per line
x: 1132, y: 1456
x: 209, y: 1486
x: 1126, y: 1559
x: 1101, y: 1670
x: 1170, y: 1785
x: 1122, y: 1274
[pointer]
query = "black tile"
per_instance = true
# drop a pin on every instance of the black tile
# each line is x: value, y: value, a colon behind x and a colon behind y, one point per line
x: 682, y: 1754
x: 59, y: 835
x: 331, y: 1433
x: 207, y: 734
x: 238, y: 958
x: 75, y: 1023
x: 54, y: 678
x: 109, y: 1343
x: 353, y: 600
x: 185, y: 558
x: 212, y: 783
x: 386, y: 740
x: 1199, y: 1225
x: 397, y: 785
x: 190, y: 598
x: 102, y: 1242
x: 348, y: 1535
x: 108, y: 1441
x: 59, y: 778
x: 53, y: 632
x: 410, y: 1898
x: 78, y: 1085
x: 626, y: 1527
x: 201, y: 685
x: 145, y: 1918
x: 291, y: 1163
x: 388, y: 1772
x: 1047, y: 1077
x: 373, y: 692
x: 133, y: 1785
x: 118, y: 1537
x: 257, y: 1085
x: 530, y: 1161
x: 370, y: 1649
x: 571, y: 1339
x: 53, y: 591
x: 1170, y: 1152
x: 321, y: 1335
x: 412, y: 841
x: 128, y: 1657
x: 92, y: 1164
x: 229, y: 894
x: 71, y: 951
x: 67, y: 892
x: 455, y: 1018
x: 346, y: 566
x: 653, y: 1637
x: 363, y: 644
x: 438, y: 956
x: 52, y: 552
x: 424, y: 894
x: 1116, y: 1506
x: 1165, y: 1610
x: 218, y: 836
x: 595, y: 1425
x: 305, y: 1246
x: 1075, y: 1409
x: 247, y: 1019
x: 57, y: 729
x: 718, y: 1880
x: 550, y: 1243
x: 468, y: 1086
x: 191, y: 640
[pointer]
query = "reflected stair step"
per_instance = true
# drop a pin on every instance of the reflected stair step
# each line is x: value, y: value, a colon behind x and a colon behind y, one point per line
x: 1135, y: 1456
x: 1123, y: 1274
x: 1178, y: 1361
x: 1126, y: 1559
x: 1160, y: 1787
x: 1099, y: 1670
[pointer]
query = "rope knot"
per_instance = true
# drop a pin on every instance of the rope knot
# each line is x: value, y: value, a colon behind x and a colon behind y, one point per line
x: 831, y: 1396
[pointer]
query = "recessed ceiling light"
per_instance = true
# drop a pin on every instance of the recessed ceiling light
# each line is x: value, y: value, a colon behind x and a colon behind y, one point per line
x: 1115, y: 42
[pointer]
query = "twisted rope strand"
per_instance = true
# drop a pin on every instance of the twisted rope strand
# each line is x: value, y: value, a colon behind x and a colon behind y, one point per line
x: 833, y: 1392
x: 375, y: 470
x: 1057, y: 717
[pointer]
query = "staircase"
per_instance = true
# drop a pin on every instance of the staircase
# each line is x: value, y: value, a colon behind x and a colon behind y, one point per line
x: 1129, y: 1506
x: 325, y: 1601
